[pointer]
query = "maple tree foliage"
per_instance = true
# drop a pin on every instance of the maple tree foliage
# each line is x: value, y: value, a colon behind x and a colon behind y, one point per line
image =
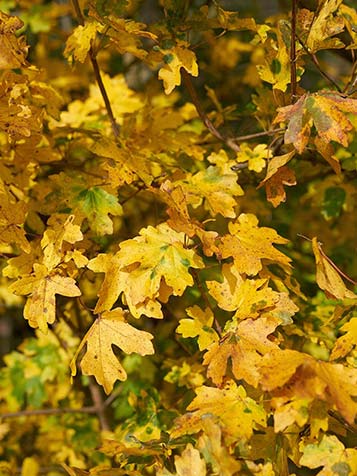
x: 177, y: 229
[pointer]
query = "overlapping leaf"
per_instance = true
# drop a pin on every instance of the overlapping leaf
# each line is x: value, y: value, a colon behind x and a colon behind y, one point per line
x: 249, y: 244
x: 326, y: 110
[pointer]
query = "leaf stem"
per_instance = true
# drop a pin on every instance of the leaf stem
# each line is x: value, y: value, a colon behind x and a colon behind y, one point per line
x: 97, y: 74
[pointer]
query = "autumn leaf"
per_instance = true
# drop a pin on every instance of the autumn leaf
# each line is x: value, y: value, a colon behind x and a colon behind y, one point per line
x: 275, y: 67
x: 295, y: 410
x: 80, y: 41
x: 345, y: 343
x: 190, y: 462
x: 247, y: 297
x: 176, y: 58
x: 324, y: 26
x: 325, y: 110
x: 216, y: 453
x: 215, y: 187
x: 249, y: 244
x: 180, y: 219
x: 53, y: 238
x: 12, y: 216
x: 331, y: 454
x: 256, y: 157
x: 333, y: 383
x: 277, y: 176
x: 42, y: 286
x: 145, y: 266
x: 96, y: 204
x: 13, y: 48
x: 327, y: 277
x: 238, y: 414
x: 200, y: 325
x: 99, y: 359
x: 244, y: 347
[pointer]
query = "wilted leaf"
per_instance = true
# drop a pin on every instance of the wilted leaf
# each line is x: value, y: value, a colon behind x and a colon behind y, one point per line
x: 327, y: 277
x: 99, y: 359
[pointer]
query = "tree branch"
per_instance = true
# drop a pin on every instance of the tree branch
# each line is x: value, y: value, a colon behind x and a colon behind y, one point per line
x: 47, y: 411
x: 293, y: 80
x: 97, y: 74
x: 206, y: 121
x: 99, y: 404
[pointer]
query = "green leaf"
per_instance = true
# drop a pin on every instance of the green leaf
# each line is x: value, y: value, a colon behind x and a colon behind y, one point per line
x: 334, y: 200
x: 96, y: 204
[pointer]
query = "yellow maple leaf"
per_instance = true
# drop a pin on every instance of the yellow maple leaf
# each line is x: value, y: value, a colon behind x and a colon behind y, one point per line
x: 217, y: 454
x: 190, y: 459
x: 244, y: 347
x: 330, y: 454
x: 147, y: 269
x: 40, y: 307
x: 99, y: 359
x: 54, y: 237
x: 275, y: 68
x: 200, y: 325
x: 324, y: 26
x: 13, y: 48
x: 345, y: 343
x: 12, y: 217
x: 256, y: 157
x: 80, y: 41
x: 247, y: 297
x: 215, y: 187
x: 333, y: 383
x: 327, y: 277
x: 238, y: 414
x: 249, y: 244
x: 175, y: 59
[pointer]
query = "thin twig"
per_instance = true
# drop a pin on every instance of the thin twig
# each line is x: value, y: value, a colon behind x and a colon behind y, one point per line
x: 47, y: 411
x: 258, y: 134
x: 97, y: 74
x: 293, y: 80
x: 207, y: 122
x: 317, y: 64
